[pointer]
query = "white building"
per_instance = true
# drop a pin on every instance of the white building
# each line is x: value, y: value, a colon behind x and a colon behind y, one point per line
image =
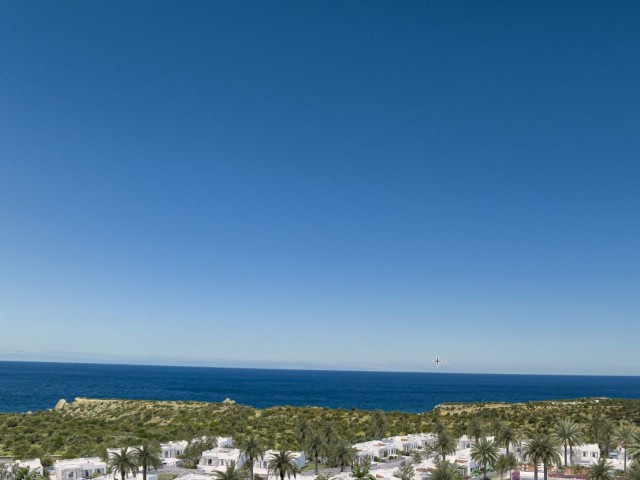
x: 405, y: 443
x: 375, y: 449
x: 169, y: 451
x: 218, y: 459
x: 464, y: 442
x: 585, y: 455
x: 34, y: 465
x: 222, y: 442
x: 79, y: 468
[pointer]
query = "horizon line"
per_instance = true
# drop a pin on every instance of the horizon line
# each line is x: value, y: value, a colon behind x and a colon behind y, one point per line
x: 319, y: 369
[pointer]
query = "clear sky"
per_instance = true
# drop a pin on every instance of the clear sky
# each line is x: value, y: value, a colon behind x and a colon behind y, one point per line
x: 342, y: 184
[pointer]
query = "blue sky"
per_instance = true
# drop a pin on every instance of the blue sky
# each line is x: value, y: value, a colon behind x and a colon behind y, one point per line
x: 359, y: 185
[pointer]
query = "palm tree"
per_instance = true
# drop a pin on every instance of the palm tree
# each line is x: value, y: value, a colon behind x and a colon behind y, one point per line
x: 316, y: 447
x: 507, y: 436
x: 445, y: 444
x: 600, y: 471
x: 506, y: 463
x: 486, y: 452
x: 343, y: 454
x: 625, y: 436
x: 379, y: 424
x: 531, y: 452
x: 545, y: 449
x: 595, y: 428
x: 361, y: 472
x: 438, y: 426
x: 634, y: 472
x: 231, y: 473
x: 405, y: 471
x: 252, y: 450
x: 606, y: 431
x: 549, y: 453
x: 123, y: 462
x: 445, y: 471
x: 283, y: 464
x: 302, y: 430
x: 147, y: 455
x: 501, y: 466
x: 329, y: 432
x: 496, y: 426
x: 569, y: 433
x: 20, y: 473
x: 475, y: 429
x: 634, y: 448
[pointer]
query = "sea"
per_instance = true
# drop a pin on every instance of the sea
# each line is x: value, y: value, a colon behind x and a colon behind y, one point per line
x: 31, y: 386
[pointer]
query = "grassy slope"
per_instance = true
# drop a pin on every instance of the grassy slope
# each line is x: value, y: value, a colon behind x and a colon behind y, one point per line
x: 88, y: 426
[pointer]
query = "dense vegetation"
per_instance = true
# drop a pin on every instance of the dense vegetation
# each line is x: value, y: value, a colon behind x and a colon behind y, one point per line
x: 86, y: 427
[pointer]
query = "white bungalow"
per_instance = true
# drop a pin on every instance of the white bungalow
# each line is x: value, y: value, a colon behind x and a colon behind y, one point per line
x: 364, y: 454
x: 218, y: 459
x: 222, y: 442
x: 79, y: 468
x: 171, y: 450
x: 34, y: 465
x: 464, y: 442
x: 423, y: 439
x: 405, y: 443
x: 585, y: 455
x: 376, y: 449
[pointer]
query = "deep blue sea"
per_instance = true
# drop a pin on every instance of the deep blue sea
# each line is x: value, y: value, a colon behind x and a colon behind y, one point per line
x: 26, y: 386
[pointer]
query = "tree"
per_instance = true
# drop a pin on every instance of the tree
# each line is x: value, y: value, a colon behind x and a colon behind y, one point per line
x: 596, y: 423
x: 193, y: 452
x: 633, y: 473
x: 283, y: 464
x: 230, y: 473
x: 506, y: 463
x: 569, y: 433
x: 602, y: 470
x: 625, y: 436
x: 123, y: 462
x: 147, y: 455
x: 507, y: 435
x: 252, y: 450
x: 445, y: 471
x: 316, y: 447
x: 405, y: 471
x: 329, y: 433
x: 495, y: 426
x: 531, y: 452
x: 361, y: 472
x: 416, y: 456
x: 549, y: 453
x: 475, y: 429
x: 445, y: 444
x: 634, y: 448
x: 438, y: 426
x: 25, y: 473
x: 606, y: 431
x: 303, y: 428
x: 379, y: 424
x: 8, y: 471
x: 485, y: 451
x: 343, y: 454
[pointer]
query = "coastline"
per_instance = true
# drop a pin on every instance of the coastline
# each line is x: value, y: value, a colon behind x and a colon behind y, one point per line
x: 38, y: 386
